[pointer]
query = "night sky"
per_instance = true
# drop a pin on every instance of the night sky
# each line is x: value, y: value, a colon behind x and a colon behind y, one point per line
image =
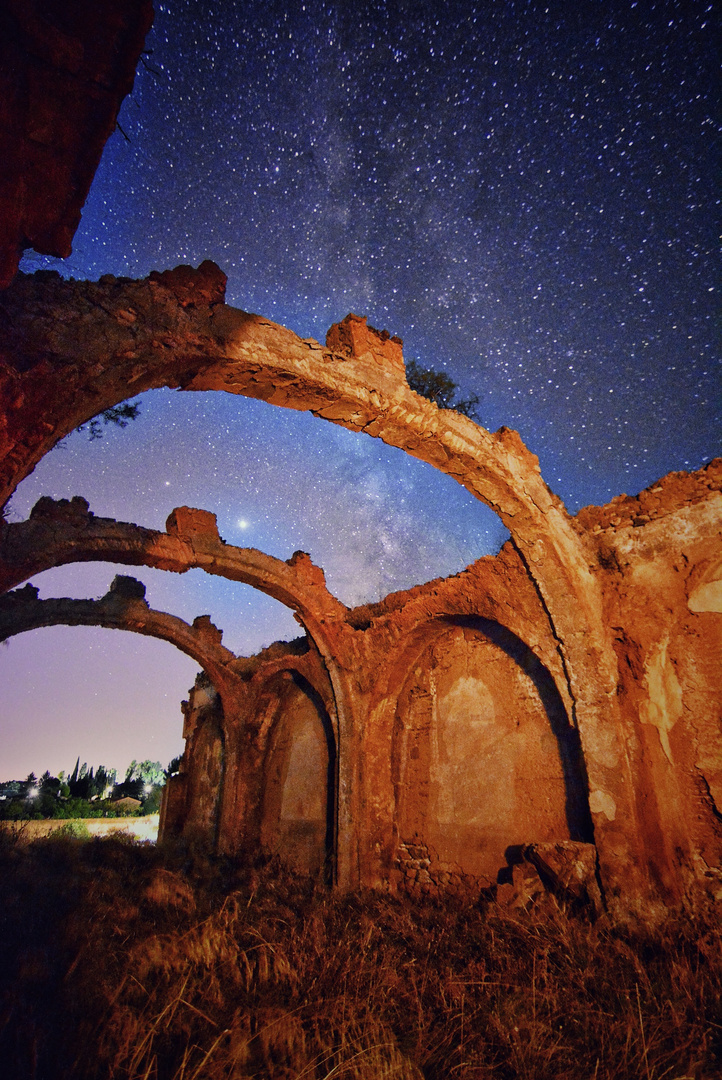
x: 525, y: 193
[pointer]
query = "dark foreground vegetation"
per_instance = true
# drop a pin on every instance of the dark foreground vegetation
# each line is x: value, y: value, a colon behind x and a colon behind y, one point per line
x: 119, y: 960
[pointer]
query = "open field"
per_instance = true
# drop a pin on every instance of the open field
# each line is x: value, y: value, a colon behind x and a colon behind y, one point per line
x: 140, y: 828
x: 120, y: 961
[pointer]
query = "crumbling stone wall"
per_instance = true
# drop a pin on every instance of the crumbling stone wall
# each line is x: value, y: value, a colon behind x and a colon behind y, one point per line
x: 596, y: 601
x: 660, y: 554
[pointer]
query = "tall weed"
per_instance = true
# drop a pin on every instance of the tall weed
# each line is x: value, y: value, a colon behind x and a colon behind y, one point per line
x: 121, y: 962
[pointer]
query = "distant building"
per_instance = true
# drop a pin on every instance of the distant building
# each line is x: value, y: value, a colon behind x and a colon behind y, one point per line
x: 126, y: 804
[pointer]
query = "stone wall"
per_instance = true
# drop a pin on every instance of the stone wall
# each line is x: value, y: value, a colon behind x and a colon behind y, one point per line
x: 468, y: 755
x: 562, y: 692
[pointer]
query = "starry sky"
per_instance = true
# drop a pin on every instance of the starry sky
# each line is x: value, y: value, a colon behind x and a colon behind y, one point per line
x: 524, y: 192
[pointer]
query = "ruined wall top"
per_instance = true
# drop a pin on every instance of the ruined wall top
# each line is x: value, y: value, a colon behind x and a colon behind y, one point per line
x: 668, y: 495
x: 355, y: 338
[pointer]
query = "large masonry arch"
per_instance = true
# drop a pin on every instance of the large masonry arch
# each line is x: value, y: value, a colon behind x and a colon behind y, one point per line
x: 174, y: 329
x: 122, y: 608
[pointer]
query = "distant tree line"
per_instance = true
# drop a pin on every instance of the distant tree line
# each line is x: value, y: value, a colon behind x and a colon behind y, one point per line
x: 86, y: 792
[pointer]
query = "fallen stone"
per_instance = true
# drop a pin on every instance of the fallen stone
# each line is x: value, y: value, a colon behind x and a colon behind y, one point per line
x: 568, y: 869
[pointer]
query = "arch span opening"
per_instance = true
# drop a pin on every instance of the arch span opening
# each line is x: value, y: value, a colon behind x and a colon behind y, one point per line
x: 55, y: 706
x: 278, y: 480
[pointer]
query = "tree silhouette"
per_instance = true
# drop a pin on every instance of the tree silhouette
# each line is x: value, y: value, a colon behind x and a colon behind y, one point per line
x: 119, y: 415
x: 440, y: 388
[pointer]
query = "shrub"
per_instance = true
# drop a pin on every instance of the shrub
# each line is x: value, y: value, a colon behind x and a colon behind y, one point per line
x: 78, y: 830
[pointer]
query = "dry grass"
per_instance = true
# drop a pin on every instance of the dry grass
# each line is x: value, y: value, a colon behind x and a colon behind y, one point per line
x: 118, y: 962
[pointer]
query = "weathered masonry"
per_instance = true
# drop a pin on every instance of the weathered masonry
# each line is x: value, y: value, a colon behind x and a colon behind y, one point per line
x: 563, y: 694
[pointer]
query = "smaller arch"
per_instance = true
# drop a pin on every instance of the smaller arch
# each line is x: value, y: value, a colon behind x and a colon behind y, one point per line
x: 483, y: 754
x: 192, y: 800
x: 298, y: 797
x: 123, y: 607
x: 64, y: 531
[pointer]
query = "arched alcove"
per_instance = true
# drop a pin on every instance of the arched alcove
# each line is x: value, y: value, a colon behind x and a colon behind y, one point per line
x: 299, y: 785
x: 205, y: 769
x: 484, y: 757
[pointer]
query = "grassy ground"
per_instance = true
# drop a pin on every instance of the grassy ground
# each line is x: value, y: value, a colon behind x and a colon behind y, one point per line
x: 142, y: 828
x: 121, y: 962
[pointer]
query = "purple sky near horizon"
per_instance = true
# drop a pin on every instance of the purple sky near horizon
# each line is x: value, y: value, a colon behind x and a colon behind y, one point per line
x: 524, y: 192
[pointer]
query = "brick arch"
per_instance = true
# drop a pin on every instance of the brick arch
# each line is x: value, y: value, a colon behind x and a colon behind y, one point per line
x: 118, y: 338
x: 247, y: 739
x: 199, y: 809
x: 66, y: 531
x: 306, y: 670
x: 188, y: 806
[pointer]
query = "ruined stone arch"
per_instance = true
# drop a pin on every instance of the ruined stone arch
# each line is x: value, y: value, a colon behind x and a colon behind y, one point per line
x: 195, y: 804
x: 122, y: 608
x: 66, y: 531
x: 71, y: 349
x: 306, y: 669
x: 199, y: 805
x: 174, y: 330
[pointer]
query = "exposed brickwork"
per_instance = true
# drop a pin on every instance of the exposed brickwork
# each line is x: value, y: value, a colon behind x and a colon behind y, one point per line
x: 667, y: 495
x: 420, y: 875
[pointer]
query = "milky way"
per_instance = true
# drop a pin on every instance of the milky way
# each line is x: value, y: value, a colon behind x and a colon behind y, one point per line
x: 525, y: 193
